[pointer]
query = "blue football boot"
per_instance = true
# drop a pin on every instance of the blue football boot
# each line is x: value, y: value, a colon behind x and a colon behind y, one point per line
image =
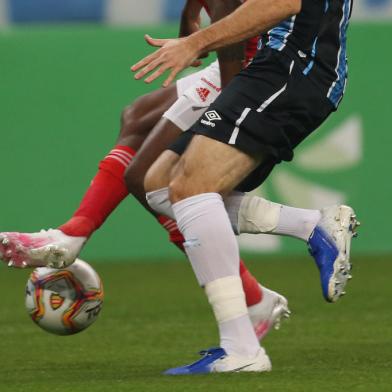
x: 215, y: 360
x: 329, y: 244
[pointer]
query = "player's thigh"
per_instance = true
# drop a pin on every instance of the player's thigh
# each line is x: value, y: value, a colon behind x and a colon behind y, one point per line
x: 209, y: 165
x: 139, y: 118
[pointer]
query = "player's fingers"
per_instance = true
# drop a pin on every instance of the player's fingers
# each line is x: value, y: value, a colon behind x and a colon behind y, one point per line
x: 157, y: 73
x: 155, y: 41
x: 144, y: 61
x: 148, y: 68
x: 171, y: 77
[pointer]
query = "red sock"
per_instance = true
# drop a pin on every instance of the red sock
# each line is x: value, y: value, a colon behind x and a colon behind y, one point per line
x: 105, y: 193
x: 175, y: 235
x: 253, y: 293
x: 251, y: 286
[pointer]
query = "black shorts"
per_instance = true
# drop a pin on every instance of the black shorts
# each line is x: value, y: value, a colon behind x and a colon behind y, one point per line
x: 268, y: 109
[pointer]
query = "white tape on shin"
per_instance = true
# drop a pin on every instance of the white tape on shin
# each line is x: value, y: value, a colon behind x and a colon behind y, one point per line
x: 159, y: 202
x: 257, y: 215
x: 227, y: 298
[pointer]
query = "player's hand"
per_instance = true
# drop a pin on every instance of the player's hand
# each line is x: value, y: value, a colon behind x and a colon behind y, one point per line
x: 173, y: 55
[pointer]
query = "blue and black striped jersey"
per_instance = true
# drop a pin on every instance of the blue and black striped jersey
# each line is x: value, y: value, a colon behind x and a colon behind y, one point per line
x: 317, y: 36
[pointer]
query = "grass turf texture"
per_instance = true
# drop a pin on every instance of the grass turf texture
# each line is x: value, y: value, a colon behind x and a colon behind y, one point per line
x: 155, y: 317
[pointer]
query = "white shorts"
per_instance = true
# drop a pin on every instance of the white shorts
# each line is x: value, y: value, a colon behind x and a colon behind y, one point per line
x: 195, y: 93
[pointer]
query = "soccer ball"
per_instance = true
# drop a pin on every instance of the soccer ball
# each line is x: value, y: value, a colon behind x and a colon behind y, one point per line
x: 64, y: 301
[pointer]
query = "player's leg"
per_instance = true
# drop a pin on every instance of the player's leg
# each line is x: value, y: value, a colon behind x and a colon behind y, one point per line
x: 106, y: 191
x: 255, y: 215
x: 266, y: 306
x: 269, y: 127
x: 197, y: 91
x: 196, y: 188
x: 327, y: 232
x: 108, y: 188
x: 248, y: 213
x: 290, y: 108
x: 199, y: 210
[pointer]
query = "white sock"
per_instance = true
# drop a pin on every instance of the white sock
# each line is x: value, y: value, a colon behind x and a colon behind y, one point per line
x: 252, y: 214
x: 297, y: 222
x: 159, y: 202
x: 236, y: 339
x: 255, y: 215
x: 209, y: 239
x: 212, y: 249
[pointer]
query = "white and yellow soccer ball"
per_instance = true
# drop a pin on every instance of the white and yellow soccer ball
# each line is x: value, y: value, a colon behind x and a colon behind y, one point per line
x: 64, y: 301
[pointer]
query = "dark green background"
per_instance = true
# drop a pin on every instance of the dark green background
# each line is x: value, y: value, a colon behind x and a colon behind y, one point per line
x: 61, y: 93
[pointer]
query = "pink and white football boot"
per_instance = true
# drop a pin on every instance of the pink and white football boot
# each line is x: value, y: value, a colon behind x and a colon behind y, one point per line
x: 268, y: 313
x: 48, y: 248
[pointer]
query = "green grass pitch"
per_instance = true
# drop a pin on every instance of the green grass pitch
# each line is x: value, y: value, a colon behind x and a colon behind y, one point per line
x: 155, y: 317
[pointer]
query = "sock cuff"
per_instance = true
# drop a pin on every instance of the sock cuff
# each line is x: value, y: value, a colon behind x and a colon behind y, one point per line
x: 127, y: 149
x: 194, y: 205
x: 162, y: 192
x: 121, y: 154
x: 159, y: 201
x: 192, y: 200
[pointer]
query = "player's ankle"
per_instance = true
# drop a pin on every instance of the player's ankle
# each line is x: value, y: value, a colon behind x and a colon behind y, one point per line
x: 78, y: 226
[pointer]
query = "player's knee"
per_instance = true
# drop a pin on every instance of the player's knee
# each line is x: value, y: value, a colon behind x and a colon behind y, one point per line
x: 131, y: 117
x: 158, y: 175
x: 179, y: 188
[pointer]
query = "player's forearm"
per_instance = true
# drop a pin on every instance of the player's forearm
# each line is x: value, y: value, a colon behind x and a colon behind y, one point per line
x: 230, y: 57
x: 231, y: 60
x: 250, y: 19
x: 190, y: 18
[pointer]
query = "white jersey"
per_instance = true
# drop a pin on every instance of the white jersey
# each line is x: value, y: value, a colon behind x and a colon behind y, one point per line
x: 195, y: 93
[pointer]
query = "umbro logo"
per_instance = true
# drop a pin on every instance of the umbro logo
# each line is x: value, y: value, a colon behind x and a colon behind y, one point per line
x: 212, y: 116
